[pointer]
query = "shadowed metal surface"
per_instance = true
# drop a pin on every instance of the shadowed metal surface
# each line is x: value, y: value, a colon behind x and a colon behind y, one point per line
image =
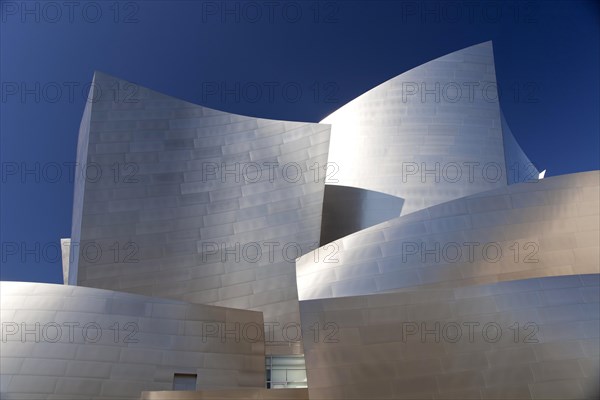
x: 111, y: 345
x: 195, y: 204
x: 543, y: 228
x: 518, y: 166
x: 347, y: 210
x: 525, y: 339
x: 429, y: 135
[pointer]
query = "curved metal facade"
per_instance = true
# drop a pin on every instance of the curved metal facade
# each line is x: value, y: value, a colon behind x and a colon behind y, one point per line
x: 196, y: 204
x: 429, y: 135
x: 347, y: 210
x: 543, y: 228
x: 448, y: 271
x: 518, y: 166
x: 67, y: 342
x: 524, y: 339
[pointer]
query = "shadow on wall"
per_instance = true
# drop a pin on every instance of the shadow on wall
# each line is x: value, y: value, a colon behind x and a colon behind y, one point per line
x: 347, y: 210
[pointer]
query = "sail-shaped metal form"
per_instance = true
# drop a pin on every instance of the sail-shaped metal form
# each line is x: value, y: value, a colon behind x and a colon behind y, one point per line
x: 448, y: 267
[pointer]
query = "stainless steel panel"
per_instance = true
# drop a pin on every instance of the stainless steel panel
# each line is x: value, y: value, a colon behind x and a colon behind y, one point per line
x: 429, y: 135
x: 347, y: 210
x: 181, y: 180
x: 484, y: 238
x: 438, y: 344
x: 60, y: 341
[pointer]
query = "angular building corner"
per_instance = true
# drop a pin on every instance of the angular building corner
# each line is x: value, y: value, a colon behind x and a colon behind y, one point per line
x: 404, y: 247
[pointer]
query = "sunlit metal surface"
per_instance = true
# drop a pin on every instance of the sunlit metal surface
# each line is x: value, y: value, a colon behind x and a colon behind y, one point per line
x: 428, y: 196
x: 68, y: 342
x: 524, y: 339
x: 195, y: 204
x: 65, y: 250
x: 429, y: 135
x: 543, y: 228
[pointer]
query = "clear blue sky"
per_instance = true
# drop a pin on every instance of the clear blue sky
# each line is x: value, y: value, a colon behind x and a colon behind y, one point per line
x: 546, y: 52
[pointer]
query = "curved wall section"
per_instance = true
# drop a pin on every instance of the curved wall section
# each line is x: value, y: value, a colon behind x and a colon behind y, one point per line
x: 429, y: 135
x: 347, y: 210
x: 543, y: 228
x: 195, y: 204
x: 526, y: 339
x: 67, y: 342
x: 518, y: 166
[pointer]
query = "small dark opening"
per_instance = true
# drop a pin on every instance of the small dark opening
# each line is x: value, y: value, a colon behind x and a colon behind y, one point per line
x: 185, y: 381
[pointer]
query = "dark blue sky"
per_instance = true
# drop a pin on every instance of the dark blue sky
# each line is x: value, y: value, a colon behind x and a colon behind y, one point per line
x: 547, y: 63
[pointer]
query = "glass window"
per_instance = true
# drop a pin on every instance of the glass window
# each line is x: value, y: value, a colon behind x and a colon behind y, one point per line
x: 285, y: 372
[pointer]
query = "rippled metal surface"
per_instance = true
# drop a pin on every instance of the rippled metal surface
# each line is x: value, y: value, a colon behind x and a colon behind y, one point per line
x: 68, y: 342
x: 524, y: 339
x: 543, y: 228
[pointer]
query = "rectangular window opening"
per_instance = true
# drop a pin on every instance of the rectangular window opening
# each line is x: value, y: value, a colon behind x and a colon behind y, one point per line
x: 184, y: 381
x: 285, y: 372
